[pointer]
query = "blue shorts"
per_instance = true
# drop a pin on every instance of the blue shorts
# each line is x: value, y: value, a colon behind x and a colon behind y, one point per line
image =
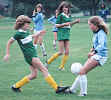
x: 100, y: 59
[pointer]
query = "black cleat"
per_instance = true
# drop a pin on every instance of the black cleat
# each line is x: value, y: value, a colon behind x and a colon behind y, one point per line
x: 61, y: 89
x: 44, y: 54
x: 16, y: 89
x: 68, y: 91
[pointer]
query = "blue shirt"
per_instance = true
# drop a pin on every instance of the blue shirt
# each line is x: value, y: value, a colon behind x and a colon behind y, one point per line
x: 38, y: 21
x: 100, y: 43
x: 52, y: 20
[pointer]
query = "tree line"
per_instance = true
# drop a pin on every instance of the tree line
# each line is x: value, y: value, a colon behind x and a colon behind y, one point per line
x: 27, y: 6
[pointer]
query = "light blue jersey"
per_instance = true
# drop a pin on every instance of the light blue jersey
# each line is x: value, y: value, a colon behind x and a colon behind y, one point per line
x: 38, y: 21
x: 100, y: 43
x: 52, y: 20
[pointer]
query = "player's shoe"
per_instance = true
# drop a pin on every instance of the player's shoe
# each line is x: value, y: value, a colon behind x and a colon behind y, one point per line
x: 61, y: 69
x: 44, y: 54
x: 16, y: 89
x: 61, y: 89
x: 68, y: 91
x: 81, y: 95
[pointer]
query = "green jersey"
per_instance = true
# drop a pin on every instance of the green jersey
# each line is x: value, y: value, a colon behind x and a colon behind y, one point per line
x: 25, y: 42
x: 63, y: 32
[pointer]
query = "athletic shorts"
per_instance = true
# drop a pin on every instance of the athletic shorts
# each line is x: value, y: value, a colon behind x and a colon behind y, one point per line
x: 100, y: 59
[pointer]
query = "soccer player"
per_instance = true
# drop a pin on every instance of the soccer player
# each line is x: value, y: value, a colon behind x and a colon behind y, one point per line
x: 96, y: 57
x: 24, y: 40
x: 52, y: 20
x: 63, y: 24
x: 38, y: 19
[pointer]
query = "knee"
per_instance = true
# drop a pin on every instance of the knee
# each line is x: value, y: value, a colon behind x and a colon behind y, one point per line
x: 82, y: 72
x: 33, y: 76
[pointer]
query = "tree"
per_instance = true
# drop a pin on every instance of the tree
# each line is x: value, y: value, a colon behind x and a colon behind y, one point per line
x: 90, y: 5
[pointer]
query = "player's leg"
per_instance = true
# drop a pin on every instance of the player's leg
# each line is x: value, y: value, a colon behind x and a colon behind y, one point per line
x: 65, y: 57
x: 55, y: 40
x: 49, y: 79
x: 17, y: 86
x: 54, y: 56
x: 42, y: 44
x: 89, y: 65
x: 36, y: 39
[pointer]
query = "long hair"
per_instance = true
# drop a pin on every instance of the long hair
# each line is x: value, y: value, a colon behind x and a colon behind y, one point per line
x: 99, y: 22
x: 63, y: 4
x: 38, y: 6
x: 21, y: 20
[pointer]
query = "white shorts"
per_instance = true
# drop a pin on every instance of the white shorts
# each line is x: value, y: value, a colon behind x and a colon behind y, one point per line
x: 37, y: 32
x: 100, y: 59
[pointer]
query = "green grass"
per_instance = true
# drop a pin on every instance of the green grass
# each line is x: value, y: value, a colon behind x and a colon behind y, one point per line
x: 99, y: 81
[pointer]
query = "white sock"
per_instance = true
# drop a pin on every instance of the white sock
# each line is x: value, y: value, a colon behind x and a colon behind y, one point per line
x: 75, y: 84
x: 35, y: 45
x: 54, y: 42
x: 43, y: 49
x: 83, y: 84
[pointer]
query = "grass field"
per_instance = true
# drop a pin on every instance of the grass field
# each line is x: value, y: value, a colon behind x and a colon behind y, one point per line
x: 99, y: 80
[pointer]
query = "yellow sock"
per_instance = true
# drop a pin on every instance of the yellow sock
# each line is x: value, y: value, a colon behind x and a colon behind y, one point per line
x: 64, y: 60
x: 52, y: 58
x: 51, y: 82
x: 22, y: 82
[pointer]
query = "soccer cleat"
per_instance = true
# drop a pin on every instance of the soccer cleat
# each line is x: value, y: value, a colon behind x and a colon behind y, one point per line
x: 68, y: 91
x: 81, y: 95
x: 61, y: 69
x: 61, y: 89
x: 16, y: 89
x: 45, y: 54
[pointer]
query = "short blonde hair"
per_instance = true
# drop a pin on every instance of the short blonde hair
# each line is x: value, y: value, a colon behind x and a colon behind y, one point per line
x: 99, y: 22
x: 21, y: 20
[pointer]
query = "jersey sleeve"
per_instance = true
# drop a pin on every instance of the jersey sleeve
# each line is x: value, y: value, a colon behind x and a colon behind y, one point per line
x: 16, y: 36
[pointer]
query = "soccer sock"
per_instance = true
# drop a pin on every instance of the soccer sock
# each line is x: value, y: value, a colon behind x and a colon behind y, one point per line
x: 22, y: 82
x: 53, y: 58
x: 75, y: 84
x: 43, y: 49
x: 35, y: 45
x: 54, y: 42
x: 83, y: 84
x: 64, y: 59
x: 51, y: 82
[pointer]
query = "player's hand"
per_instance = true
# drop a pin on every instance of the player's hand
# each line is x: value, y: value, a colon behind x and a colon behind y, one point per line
x: 77, y: 20
x: 92, y: 49
x: 67, y: 24
x: 6, y: 57
x: 90, y: 54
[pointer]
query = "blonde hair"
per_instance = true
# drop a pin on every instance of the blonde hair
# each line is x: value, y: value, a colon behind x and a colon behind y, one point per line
x: 99, y: 22
x: 21, y: 20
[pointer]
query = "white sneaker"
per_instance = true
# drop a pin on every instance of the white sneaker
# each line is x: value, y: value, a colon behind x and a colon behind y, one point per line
x: 81, y: 95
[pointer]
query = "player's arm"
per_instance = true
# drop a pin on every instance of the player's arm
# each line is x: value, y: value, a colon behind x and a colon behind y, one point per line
x: 7, y: 55
x: 74, y: 22
x: 63, y: 24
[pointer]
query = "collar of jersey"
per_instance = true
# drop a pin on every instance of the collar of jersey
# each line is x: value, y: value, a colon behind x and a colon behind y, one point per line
x: 65, y: 15
x: 21, y: 30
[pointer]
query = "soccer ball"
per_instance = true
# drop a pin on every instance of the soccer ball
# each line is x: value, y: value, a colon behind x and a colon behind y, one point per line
x: 75, y: 68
